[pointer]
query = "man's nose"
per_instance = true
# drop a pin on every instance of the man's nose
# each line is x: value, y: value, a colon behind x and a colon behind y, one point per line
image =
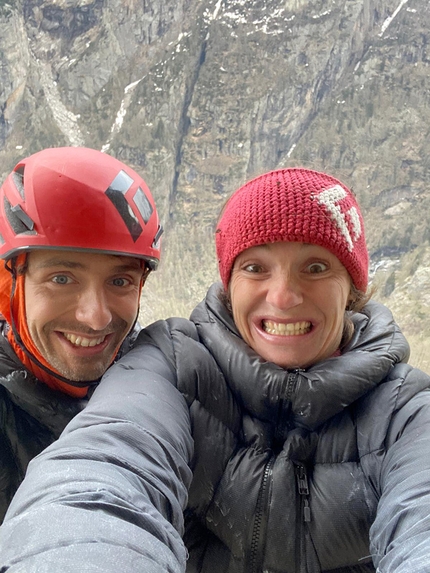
x: 284, y: 292
x: 93, y: 309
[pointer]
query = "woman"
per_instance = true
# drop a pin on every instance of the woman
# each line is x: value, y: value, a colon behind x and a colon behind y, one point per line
x: 311, y: 433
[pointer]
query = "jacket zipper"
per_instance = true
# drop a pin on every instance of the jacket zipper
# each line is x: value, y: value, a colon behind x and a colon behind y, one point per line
x: 255, y: 561
x: 284, y: 402
x: 260, y: 519
x: 304, y: 515
x: 303, y: 487
x: 291, y: 383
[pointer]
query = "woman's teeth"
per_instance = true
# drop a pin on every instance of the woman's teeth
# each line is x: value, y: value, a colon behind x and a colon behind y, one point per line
x: 82, y: 341
x: 289, y: 329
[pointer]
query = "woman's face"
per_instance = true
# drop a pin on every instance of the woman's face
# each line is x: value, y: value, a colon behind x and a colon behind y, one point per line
x: 289, y: 301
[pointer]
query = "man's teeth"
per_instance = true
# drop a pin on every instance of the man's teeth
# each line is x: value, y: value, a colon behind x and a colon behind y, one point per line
x: 289, y: 329
x: 82, y: 341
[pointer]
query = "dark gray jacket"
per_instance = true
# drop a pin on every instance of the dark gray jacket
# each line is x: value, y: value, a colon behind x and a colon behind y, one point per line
x: 32, y: 416
x: 304, y: 471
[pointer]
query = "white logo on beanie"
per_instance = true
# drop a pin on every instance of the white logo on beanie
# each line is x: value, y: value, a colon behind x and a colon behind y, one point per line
x: 331, y: 199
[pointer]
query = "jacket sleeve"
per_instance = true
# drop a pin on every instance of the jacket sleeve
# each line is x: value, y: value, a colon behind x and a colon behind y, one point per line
x: 400, y: 534
x: 108, y: 496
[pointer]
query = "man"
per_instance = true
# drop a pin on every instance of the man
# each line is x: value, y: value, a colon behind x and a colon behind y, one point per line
x: 79, y: 234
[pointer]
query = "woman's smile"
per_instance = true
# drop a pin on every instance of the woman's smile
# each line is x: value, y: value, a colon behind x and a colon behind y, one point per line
x: 286, y: 329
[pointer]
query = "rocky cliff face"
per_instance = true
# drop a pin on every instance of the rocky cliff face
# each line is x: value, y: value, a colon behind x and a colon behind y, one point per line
x: 199, y: 96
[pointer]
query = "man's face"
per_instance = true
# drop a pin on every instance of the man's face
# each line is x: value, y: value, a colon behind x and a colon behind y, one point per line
x: 80, y: 307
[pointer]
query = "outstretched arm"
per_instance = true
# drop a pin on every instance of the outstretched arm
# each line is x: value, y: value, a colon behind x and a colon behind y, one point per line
x: 108, y: 496
x: 400, y: 535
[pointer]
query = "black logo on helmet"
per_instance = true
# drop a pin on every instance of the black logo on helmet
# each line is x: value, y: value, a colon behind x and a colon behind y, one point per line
x: 116, y: 193
x: 18, y: 219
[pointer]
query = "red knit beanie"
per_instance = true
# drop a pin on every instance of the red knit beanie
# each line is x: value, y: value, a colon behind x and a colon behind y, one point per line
x: 295, y: 205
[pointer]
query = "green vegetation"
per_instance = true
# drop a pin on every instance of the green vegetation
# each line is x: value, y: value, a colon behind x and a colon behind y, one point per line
x: 183, y: 277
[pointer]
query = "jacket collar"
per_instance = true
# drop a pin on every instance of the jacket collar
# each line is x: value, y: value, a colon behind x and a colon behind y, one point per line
x: 316, y: 394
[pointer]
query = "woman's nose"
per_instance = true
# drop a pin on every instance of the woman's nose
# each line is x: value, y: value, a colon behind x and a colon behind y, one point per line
x: 284, y: 292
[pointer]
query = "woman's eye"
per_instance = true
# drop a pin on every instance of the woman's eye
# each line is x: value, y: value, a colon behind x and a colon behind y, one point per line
x: 316, y: 268
x: 120, y: 282
x: 61, y: 279
x: 253, y: 268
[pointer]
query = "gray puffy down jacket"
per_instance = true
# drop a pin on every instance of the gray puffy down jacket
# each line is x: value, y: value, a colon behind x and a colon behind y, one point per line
x: 304, y: 471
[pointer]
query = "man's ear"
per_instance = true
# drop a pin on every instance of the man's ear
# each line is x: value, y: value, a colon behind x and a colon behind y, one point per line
x: 145, y: 275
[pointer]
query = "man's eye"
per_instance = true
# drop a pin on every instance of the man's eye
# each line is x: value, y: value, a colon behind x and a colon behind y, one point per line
x: 61, y: 279
x: 316, y: 268
x: 120, y: 282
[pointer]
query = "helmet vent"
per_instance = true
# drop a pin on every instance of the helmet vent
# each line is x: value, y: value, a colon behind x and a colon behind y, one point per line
x: 18, y: 219
x: 18, y: 179
x: 116, y: 193
x: 143, y: 205
x: 156, y: 241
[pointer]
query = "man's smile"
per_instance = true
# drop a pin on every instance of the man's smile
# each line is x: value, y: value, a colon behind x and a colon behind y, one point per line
x: 81, y: 340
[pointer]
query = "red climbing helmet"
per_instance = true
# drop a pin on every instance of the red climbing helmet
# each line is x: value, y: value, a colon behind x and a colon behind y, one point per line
x: 79, y: 199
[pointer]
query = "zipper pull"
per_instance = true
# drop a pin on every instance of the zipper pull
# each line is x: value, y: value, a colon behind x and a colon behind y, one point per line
x: 302, y: 480
x: 303, y: 487
x: 306, y: 511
